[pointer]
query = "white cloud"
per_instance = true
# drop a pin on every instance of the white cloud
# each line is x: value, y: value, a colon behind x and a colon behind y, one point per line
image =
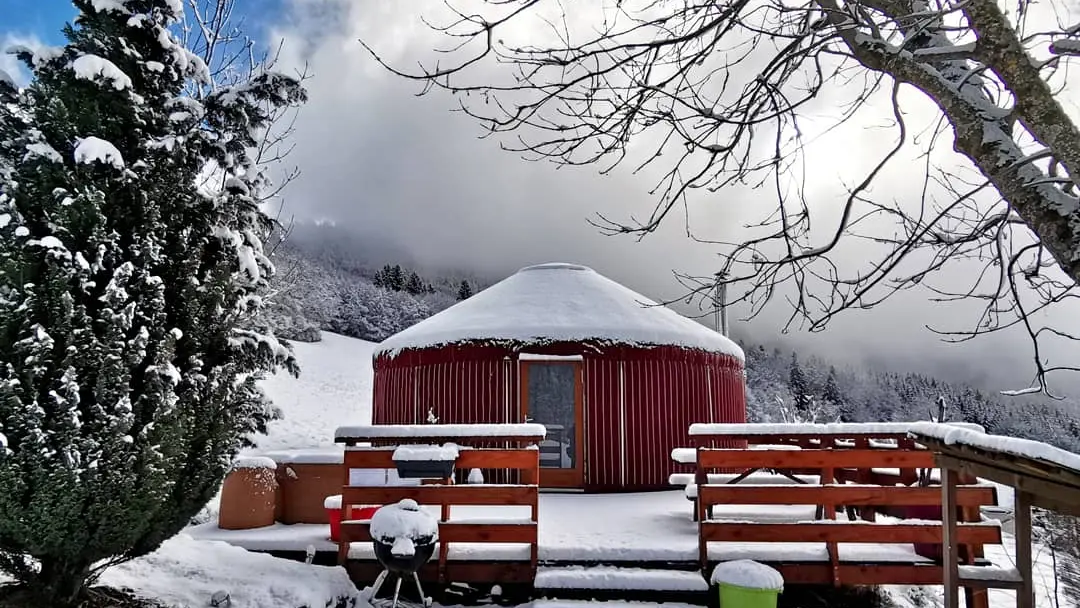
x: 377, y: 158
x: 8, y: 63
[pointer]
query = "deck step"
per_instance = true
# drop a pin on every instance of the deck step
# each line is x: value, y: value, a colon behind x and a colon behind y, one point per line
x: 614, y: 578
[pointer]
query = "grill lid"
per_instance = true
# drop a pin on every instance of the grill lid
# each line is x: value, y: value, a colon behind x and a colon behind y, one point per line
x: 404, y: 520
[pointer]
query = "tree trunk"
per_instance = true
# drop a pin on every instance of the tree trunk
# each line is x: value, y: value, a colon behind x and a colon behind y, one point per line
x: 61, y: 582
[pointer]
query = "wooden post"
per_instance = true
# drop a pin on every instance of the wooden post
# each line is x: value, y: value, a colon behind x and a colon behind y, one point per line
x: 701, y: 478
x: 951, y: 550
x: 1025, y: 594
x: 828, y: 477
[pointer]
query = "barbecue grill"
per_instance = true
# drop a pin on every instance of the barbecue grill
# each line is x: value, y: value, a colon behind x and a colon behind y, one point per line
x: 404, y: 536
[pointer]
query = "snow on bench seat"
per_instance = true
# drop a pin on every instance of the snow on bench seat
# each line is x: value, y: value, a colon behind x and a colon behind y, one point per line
x: 611, y: 577
x: 990, y: 574
x: 442, y: 431
x: 850, y: 429
x: 816, y: 552
x: 491, y: 521
x: 763, y: 514
x: 689, y: 455
x: 758, y: 478
x: 684, y: 455
x: 765, y: 479
x: 462, y: 552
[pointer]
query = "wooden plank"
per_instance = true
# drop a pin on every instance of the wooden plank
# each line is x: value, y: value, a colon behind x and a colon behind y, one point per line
x: 364, y: 572
x: 450, y: 532
x: 860, y: 574
x: 354, y: 532
x: 478, y: 441
x: 439, y: 495
x: 1025, y: 593
x: 848, y: 495
x: 840, y: 532
x: 828, y: 476
x: 814, y: 459
x: 481, y: 458
x: 369, y: 459
x: 499, y: 459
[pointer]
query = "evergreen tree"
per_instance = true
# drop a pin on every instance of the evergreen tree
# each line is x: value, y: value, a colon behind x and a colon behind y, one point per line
x: 382, y: 278
x: 832, y: 396
x: 415, y: 285
x: 128, y: 360
x: 800, y: 389
x: 464, y: 291
x: 396, y: 279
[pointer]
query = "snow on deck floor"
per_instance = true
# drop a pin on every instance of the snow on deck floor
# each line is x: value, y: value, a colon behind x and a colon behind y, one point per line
x: 639, y: 527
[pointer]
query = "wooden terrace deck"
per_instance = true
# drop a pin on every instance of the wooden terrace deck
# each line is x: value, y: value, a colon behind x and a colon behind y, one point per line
x: 832, y: 522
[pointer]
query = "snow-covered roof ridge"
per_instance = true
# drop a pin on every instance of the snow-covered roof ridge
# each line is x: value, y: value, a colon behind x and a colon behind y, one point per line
x: 1024, y: 448
x: 559, y: 302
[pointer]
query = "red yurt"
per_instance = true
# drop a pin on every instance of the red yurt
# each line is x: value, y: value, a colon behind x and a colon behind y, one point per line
x: 616, y: 379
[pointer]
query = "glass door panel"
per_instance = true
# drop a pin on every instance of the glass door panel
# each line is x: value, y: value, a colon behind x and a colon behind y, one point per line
x: 551, y: 401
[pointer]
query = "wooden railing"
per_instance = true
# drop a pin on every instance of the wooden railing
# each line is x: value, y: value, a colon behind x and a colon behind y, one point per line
x: 849, y: 461
x: 508, y: 448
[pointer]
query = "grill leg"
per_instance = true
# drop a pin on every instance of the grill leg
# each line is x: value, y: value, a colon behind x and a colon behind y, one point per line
x: 379, y: 580
x: 397, y: 592
x: 423, y: 598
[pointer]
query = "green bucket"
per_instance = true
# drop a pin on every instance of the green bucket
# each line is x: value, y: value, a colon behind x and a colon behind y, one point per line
x: 733, y: 596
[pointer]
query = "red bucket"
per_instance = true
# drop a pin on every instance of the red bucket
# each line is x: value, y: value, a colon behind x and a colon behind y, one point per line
x: 332, y: 504
x: 334, y: 515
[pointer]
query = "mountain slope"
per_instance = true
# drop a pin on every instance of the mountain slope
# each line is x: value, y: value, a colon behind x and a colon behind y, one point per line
x: 334, y: 389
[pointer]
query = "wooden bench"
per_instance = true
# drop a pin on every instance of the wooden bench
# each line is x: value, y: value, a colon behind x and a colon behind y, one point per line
x: 512, y: 453
x: 828, y: 530
x: 863, y: 468
x: 689, y: 483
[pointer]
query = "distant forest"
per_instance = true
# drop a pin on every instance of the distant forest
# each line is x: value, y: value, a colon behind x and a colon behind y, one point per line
x: 326, y: 282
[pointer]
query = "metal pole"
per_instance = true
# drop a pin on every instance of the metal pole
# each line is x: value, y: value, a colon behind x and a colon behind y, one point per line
x: 720, y: 304
x: 716, y: 302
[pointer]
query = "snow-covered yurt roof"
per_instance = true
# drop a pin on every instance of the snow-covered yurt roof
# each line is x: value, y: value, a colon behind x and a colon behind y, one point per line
x: 559, y: 303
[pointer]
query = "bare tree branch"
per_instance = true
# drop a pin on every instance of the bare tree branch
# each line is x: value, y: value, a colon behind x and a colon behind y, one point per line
x: 720, y: 94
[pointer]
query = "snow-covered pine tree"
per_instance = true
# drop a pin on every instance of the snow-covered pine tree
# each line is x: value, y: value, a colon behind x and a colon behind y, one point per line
x: 382, y: 277
x: 396, y: 278
x: 128, y: 378
x: 800, y: 387
x: 464, y: 291
x: 833, y: 397
x: 414, y: 284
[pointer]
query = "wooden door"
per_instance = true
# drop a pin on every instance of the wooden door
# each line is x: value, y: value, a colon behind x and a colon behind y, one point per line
x: 551, y: 394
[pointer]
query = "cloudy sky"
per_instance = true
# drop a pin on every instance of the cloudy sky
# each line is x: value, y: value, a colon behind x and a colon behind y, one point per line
x: 393, y: 166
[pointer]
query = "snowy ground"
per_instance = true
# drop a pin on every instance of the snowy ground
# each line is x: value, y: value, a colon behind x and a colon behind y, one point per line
x: 186, y: 573
x: 1002, y: 555
x: 335, y: 389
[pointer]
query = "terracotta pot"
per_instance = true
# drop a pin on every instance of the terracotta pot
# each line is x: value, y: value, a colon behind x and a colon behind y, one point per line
x: 303, y: 489
x: 249, y: 496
